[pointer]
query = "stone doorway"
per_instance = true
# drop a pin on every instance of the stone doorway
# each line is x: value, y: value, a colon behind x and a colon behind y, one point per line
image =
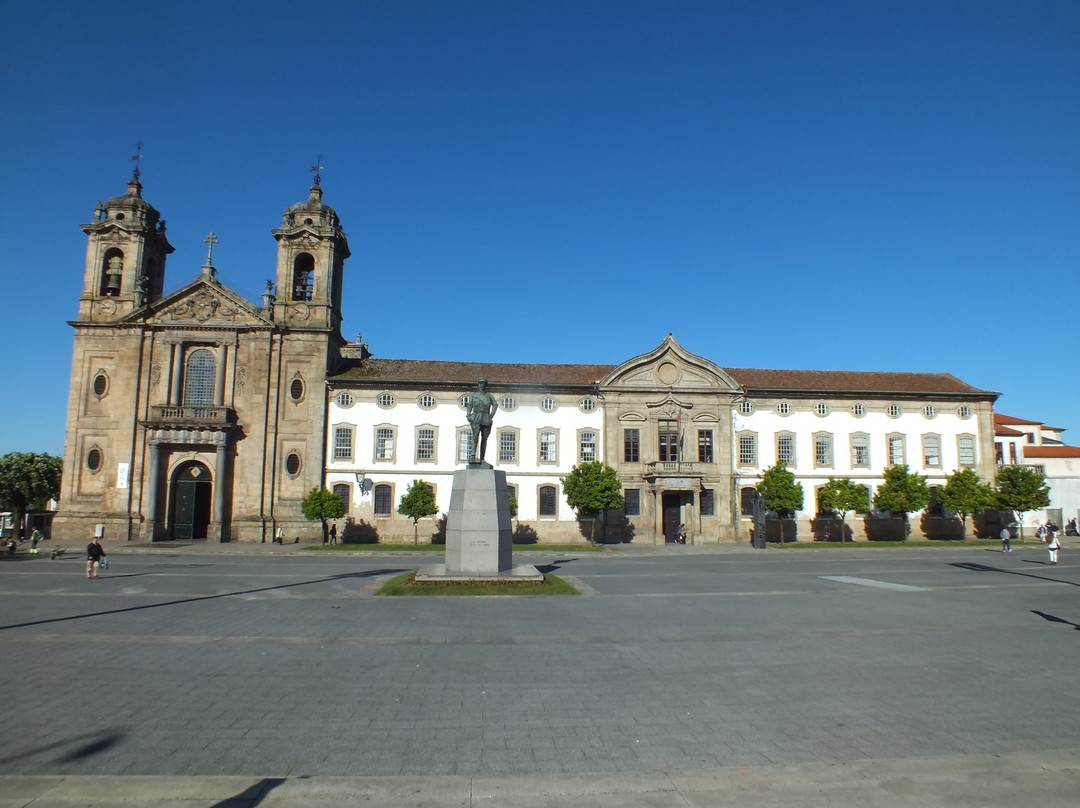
x: 192, y: 493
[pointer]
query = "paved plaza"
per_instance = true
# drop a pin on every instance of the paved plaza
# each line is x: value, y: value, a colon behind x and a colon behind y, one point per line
x: 273, y: 676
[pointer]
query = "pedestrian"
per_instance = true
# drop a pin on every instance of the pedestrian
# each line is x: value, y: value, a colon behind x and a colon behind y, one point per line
x: 333, y: 534
x: 279, y: 537
x: 1052, y: 544
x: 1006, y: 543
x: 680, y: 535
x: 94, y: 553
x: 35, y: 537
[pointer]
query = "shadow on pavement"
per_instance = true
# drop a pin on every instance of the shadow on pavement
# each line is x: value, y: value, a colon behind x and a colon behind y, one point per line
x: 218, y: 596
x: 253, y: 794
x: 966, y: 565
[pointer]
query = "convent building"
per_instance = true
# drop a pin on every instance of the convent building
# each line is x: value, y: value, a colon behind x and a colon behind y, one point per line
x: 195, y: 414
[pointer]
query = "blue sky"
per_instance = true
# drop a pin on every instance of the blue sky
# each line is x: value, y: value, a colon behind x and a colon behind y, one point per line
x: 835, y: 185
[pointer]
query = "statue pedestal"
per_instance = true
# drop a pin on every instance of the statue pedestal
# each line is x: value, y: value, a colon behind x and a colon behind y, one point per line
x: 479, y: 536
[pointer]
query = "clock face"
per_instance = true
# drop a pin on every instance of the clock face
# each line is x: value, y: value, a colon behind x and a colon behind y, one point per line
x: 106, y: 308
x: 300, y: 312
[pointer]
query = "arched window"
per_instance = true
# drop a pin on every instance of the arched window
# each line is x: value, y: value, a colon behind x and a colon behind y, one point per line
x: 112, y: 272
x: 199, y: 379
x: 303, y: 285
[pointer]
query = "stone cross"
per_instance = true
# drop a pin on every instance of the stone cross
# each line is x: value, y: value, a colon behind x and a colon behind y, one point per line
x: 210, y: 240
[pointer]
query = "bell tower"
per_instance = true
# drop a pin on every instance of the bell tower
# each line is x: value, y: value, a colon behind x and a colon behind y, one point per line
x: 312, y: 249
x: 125, y: 256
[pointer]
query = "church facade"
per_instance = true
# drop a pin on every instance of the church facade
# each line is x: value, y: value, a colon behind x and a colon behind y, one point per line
x: 199, y: 415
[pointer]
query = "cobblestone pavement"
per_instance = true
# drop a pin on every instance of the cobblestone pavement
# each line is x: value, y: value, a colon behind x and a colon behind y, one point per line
x: 259, y: 673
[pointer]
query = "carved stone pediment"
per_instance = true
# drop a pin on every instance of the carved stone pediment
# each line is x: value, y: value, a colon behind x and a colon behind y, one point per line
x: 204, y: 305
x: 669, y: 366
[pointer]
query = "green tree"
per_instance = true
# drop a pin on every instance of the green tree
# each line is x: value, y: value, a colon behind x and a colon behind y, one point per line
x: 841, y: 495
x: 902, y: 492
x: 1021, y: 489
x: 322, y: 505
x: 964, y: 494
x: 512, y: 500
x: 591, y: 489
x: 780, y: 493
x: 28, y: 481
x: 416, y: 503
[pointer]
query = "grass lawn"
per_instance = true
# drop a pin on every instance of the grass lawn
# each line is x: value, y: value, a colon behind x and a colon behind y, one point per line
x: 920, y: 543
x: 405, y: 584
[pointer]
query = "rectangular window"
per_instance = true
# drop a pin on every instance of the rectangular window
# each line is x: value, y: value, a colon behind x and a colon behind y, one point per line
x: 631, y: 445
x: 342, y: 490
x: 549, y: 447
x: 860, y: 450
x: 464, y: 445
x: 425, y: 443
x: 896, y: 450
x: 931, y: 447
x: 384, y: 500
x: 785, y: 449
x: 822, y: 450
x: 384, y: 443
x: 704, y: 446
x: 632, y: 502
x: 507, y: 445
x: 343, y: 440
x: 548, y: 501
x: 747, y: 498
x: 708, y: 502
x: 747, y: 450
x: 668, y: 436
x: 966, y: 445
x: 588, y: 447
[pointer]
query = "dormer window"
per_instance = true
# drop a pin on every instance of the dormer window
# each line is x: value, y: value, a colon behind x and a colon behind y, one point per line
x: 303, y: 285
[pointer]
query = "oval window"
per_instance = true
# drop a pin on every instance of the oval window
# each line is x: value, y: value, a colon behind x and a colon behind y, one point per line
x: 292, y: 463
x: 296, y: 389
x: 93, y: 459
x: 101, y: 384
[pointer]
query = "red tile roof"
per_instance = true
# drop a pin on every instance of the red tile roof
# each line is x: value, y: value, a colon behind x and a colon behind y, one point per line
x: 1000, y: 418
x: 852, y: 381
x: 1007, y: 431
x: 788, y: 381
x: 1051, y: 451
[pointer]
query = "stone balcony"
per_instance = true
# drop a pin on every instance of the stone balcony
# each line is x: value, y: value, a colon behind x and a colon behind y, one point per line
x: 676, y: 468
x: 171, y: 416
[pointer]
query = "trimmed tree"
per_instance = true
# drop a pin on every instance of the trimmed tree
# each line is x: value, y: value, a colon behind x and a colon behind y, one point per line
x: 841, y: 495
x: 1021, y: 489
x: 964, y: 494
x: 591, y: 489
x: 27, y: 481
x: 780, y: 493
x: 902, y: 492
x: 322, y: 505
x: 416, y: 503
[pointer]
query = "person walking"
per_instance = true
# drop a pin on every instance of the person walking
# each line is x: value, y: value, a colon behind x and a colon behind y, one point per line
x: 1052, y: 544
x: 94, y: 553
x: 35, y: 537
x: 333, y: 534
x: 1006, y: 540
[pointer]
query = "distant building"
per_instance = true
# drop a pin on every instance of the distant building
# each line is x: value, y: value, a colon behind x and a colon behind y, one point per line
x: 1032, y: 443
x: 196, y: 414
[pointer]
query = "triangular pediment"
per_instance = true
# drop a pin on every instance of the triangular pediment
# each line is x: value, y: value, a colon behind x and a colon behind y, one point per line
x: 669, y: 366
x: 203, y: 303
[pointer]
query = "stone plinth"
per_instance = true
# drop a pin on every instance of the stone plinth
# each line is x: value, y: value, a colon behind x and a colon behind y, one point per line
x: 479, y: 536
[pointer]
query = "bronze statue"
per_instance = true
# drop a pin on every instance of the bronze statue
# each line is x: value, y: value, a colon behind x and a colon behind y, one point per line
x: 482, y: 408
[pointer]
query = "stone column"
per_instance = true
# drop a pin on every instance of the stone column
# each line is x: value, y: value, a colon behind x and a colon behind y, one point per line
x: 219, y: 383
x: 153, y: 477
x: 174, y: 375
x: 217, y: 516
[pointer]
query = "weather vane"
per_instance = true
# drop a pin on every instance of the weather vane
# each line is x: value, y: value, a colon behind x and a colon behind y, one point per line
x: 317, y: 168
x: 210, y: 241
x: 137, y: 157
